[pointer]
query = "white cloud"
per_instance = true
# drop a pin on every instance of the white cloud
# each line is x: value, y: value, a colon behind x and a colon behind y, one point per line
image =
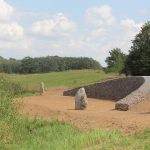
x: 100, y: 16
x: 58, y: 35
x: 11, y: 31
x: 105, y: 36
x: 130, y: 24
x: 6, y: 10
x: 58, y: 24
x: 129, y: 28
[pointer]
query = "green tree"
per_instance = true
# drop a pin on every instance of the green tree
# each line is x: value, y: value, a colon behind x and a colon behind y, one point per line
x: 138, y: 61
x: 27, y: 65
x: 116, y: 61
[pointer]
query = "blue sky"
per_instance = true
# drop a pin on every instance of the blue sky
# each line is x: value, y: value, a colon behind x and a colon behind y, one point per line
x: 69, y: 28
x: 76, y: 8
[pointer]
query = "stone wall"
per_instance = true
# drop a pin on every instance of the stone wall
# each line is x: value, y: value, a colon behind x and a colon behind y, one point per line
x: 114, y: 89
x: 135, y: 97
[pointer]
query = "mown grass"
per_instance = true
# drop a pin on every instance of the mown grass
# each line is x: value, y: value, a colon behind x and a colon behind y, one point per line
x: 19, y: 133
x: 61, y: 79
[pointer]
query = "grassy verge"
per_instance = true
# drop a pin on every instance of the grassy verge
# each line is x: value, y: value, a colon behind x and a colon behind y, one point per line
x: 8, y: 119
x: 37, y: 135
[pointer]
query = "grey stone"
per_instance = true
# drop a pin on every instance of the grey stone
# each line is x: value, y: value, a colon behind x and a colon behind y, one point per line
x: 81, y: 99
x: 127, y: 91
x: 135, y: 97
x: 112, y: 89
x: 42, y: 88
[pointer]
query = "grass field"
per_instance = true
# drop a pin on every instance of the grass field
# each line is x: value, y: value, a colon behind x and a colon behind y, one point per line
x: 19, y: 133
x: 62, y: 79
x: 66, y: 79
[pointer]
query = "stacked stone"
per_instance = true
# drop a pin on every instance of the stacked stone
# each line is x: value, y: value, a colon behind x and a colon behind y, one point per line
x: 126, y: 91
x: 114, y: 89
x: 135, y: 97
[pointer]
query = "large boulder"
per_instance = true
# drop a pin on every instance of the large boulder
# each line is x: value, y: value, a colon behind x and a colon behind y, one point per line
x: 81, y: 99
x: 42, y: 88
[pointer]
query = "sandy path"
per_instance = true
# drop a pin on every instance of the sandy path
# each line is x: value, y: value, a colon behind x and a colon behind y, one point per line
x: 99, y: 114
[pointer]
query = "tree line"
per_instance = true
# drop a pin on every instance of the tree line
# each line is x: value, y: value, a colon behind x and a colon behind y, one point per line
x: 46, y: 64
x: 137, y: 62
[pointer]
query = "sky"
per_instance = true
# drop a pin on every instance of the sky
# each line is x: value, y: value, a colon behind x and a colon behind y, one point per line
x: 77, y: 28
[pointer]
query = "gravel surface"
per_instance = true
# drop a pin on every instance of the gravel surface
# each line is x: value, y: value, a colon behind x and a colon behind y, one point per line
x: 135, y: 97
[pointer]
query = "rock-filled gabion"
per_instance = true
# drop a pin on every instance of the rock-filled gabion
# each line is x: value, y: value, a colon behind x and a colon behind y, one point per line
x: 126, y: 91
x: 81, y: 99
x: 114, y: 89
x: 135, y: 97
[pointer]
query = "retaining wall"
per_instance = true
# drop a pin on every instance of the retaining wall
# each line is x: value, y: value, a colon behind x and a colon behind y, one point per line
x: 135, y: 97
x: 114, y: 89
